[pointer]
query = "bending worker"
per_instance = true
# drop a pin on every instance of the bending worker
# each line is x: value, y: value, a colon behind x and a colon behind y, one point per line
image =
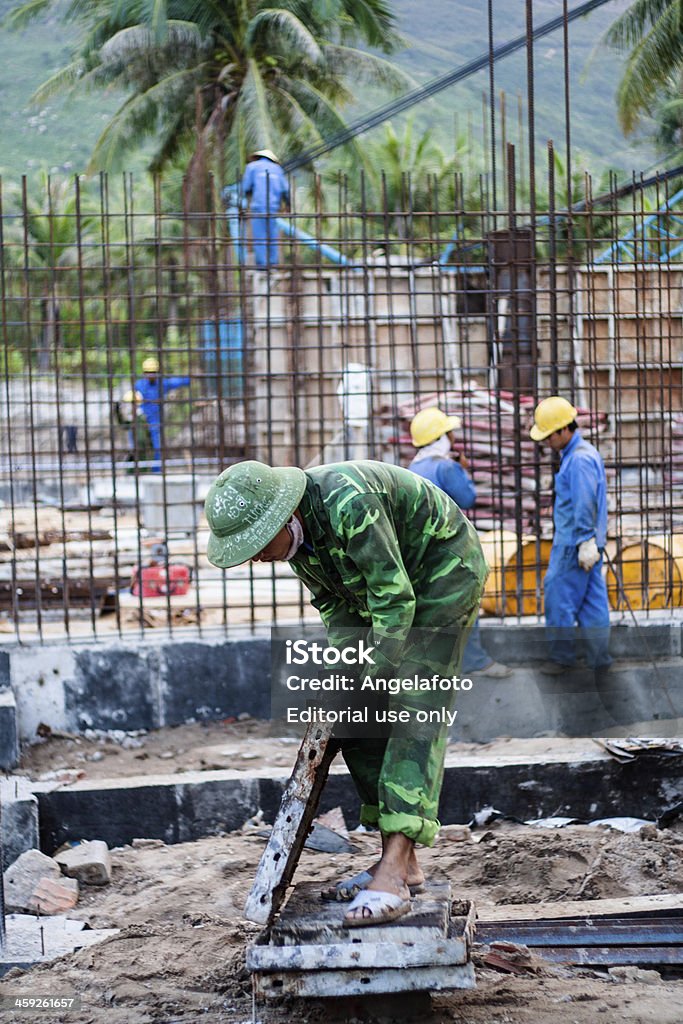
x: 574, y: 588
x: 382, y: 551
x: 152, y: 388
x: 433, y: 434
x: 265, y: 185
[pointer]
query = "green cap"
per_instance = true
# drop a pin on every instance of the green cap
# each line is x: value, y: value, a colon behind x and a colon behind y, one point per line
x: 247, y: 505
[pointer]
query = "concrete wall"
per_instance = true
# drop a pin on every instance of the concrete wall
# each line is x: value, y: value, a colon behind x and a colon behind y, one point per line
x: 152, y: 685
x: 116, y: 686
x: 583, y: 785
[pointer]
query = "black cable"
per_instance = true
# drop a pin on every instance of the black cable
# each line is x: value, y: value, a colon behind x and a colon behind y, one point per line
x: 436, y: 85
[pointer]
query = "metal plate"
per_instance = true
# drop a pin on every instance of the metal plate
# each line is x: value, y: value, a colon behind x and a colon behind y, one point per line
x: 322, y: 983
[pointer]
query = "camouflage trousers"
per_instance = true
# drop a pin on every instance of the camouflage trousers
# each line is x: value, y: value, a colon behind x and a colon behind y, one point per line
x: 399, y: 778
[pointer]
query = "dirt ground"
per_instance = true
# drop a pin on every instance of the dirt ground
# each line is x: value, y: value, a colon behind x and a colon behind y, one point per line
x: 247, y: 745
x: 179, y: 954
x: 201, y: 746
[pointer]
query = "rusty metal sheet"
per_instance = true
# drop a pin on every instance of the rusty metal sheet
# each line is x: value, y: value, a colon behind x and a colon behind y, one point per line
x: 613, y: 956
x: 307, y: 919
x: 324, y: 983
x: 297, y: 810
x: 358, y: 955
x: 667, y: 932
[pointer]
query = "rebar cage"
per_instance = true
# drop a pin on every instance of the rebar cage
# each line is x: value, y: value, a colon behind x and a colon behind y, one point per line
x: 366, y: 314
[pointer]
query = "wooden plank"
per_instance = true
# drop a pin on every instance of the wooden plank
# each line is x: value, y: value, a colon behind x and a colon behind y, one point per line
x: 320, y: 984
x: 581, y: 908
x: 357, y: 955
x: 297, y: 810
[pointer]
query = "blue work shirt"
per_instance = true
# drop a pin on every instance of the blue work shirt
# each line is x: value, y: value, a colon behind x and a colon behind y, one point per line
x: 449, y: 476
x: 580, y: 510
x: 265, y: 184
x: 152, y: 393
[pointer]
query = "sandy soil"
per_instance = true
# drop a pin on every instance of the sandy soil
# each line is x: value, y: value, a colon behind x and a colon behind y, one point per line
x: 247, y: 745
x: 179, y: 955
x: 203, y: 746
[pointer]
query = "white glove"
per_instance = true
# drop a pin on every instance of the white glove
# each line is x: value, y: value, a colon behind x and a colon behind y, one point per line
x: 588, y: 554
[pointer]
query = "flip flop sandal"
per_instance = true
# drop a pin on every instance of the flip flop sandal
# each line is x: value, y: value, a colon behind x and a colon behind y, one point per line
x: 349, y: 888
x: 376, y: 907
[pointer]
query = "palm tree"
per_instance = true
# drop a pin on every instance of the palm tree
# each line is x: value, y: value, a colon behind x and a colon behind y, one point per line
x: 46, y: 242
x: 406, y: 174
x: 221, y: 76
x: 651, y: 32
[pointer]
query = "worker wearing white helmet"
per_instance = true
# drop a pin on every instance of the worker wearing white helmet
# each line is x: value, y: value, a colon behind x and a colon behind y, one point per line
x: 266, y: 187
x: 574, y: 589
x: 433, y: 434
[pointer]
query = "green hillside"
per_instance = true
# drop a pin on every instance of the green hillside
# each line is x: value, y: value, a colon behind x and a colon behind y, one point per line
x: 60, y: 135
x: 457, y: 31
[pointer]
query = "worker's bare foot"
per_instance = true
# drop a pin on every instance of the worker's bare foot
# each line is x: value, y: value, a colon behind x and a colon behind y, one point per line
x: 415, y: 876
x: 391, y: 873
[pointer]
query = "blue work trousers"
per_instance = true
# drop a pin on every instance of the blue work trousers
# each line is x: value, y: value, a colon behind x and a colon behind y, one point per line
x: 474, y: 656
x: 265, y: 234
x: 574, y: 597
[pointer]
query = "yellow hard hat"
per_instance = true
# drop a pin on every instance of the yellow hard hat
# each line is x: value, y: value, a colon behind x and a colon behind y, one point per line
x: 150, y: 365
x: 431, y: 424
x: 132, y: 396
x: 550, y: 415
x: 267, y: 153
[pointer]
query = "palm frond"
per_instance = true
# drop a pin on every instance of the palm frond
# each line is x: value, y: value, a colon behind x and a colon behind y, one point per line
x: 648, y: 69
x: 321, y: 111
x: 139, y: 40
x: 62, y: 81
x: 253, y: 108
x: 282, y: 30
x: 22, y: 16
x: 158, y: 21
x: 138, y: 117
x: 376, y: 22
x: 630, y: 27
x: 356, y: 64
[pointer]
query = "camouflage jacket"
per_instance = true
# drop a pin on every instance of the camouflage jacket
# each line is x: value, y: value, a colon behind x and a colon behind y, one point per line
x: 388, y: 550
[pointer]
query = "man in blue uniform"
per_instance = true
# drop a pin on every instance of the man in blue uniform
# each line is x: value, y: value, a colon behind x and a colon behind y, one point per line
x: 574, y: 588
x: 433, y: 434
x: 152, y: 388
x: 265, y: 185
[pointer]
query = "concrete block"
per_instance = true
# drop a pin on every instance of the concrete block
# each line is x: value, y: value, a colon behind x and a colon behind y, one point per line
x: 113, y: 688
x: 208, y: 807
x: 31, y: 940
x: 168, y: 808
x: 89, y: 862
x: 19, y: 820
x: 646, y: 640
x: 528, y: 704
x: 38, y: 679
x: 585, y: 783
x: 22, y: 878
x: 168, y: 503
x: 50, y: 897
x: 204, y: 681
x: 4, y: 670
x: 521, y: 644
x: 9, y: 731
x: 116, y: 811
